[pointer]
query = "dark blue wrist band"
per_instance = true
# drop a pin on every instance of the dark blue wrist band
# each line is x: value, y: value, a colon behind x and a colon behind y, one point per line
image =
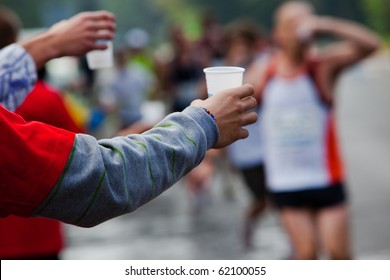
x: 209, y: 113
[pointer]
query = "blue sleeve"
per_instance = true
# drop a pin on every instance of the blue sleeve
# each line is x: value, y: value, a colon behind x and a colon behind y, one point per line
x: 17, y: 76
x: 108, y: 178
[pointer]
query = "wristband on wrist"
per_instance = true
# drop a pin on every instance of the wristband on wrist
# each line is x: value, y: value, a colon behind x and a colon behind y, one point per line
x: 208, y: 113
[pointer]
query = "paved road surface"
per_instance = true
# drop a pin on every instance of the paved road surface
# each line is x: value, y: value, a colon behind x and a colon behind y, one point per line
x: 167, y: 228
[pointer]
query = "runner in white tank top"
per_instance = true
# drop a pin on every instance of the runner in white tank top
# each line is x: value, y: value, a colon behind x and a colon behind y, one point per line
x: 298, y: 135
x: 302, y: 162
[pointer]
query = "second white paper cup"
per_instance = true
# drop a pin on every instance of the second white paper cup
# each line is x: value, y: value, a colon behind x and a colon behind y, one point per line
x: 99, y: 59
x: 222, y: 78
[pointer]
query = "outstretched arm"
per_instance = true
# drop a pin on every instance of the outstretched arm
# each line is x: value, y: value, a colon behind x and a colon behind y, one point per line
x: 82, y: 181
x: 108, y: 178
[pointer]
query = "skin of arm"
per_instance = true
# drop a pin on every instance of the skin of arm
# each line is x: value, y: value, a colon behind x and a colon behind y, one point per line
x: 256, y: 76
x: 75, y: 36
x: 72, y: 37
x: 359, y: 41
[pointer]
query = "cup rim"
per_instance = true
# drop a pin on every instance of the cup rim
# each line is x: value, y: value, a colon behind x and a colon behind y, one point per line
x: 223, y: 70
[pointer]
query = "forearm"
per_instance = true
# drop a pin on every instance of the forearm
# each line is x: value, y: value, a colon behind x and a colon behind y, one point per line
x: 359, y: 35
x: 17, y: 76
x: 107, y: 178
x: 72, y: 37
x: 41, y: 48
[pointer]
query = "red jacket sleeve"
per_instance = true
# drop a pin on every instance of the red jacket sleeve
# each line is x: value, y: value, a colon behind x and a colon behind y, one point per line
x: 33, y: 156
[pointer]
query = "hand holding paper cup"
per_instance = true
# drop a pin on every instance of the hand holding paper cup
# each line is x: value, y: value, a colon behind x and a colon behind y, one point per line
x: 99, y: 59
x: 223, y: 77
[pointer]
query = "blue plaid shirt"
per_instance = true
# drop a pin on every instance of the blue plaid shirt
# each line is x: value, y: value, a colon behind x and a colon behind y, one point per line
x: 17, y: 76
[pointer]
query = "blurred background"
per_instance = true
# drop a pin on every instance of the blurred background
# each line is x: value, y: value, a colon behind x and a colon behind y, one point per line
x: 161, y: 48
x: 155, y: 16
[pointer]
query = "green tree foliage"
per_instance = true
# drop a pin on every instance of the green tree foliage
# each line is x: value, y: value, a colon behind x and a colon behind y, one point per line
x: 263, y: 10
x: 157, y: 15
x: 378, y: 15
x: 184, y: 13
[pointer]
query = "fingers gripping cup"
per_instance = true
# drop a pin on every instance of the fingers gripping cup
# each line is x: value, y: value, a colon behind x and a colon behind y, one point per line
x: 99, y: 59
x: 222, y: 78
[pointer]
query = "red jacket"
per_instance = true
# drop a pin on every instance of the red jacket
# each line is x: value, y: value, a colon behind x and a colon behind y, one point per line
x: 45, y: 104
x: 34, y: 237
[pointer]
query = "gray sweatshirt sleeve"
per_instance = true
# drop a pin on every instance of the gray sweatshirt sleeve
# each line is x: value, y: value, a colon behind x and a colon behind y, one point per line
x: 17, y: 76
x: 108, y: 178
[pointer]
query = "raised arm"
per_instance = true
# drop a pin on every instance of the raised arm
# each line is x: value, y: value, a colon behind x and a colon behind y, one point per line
x: 358, y: 41
x: 72, y: 37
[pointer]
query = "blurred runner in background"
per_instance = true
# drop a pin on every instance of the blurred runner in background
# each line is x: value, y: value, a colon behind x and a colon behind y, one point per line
x: 303, y: 166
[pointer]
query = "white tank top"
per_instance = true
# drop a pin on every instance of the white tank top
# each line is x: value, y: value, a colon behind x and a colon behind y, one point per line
x: 297, y: 133
x: 247, y: 152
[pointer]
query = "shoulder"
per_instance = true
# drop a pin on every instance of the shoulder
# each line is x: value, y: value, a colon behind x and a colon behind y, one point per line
x: 260, y: 73
x: 45, y: 94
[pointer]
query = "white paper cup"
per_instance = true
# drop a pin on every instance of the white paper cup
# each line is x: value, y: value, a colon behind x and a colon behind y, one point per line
x: 222, y: 78
x: 99, y: 59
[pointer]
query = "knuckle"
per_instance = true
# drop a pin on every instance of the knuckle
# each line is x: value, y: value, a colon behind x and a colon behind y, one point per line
x: 252, y: 119
x: 88, y: 25
x: 240, y: 107
x: 244, y: 133
x: 83, y: 17
x: 254, y: 116
x: 249, y: 89
x: 241, y: 120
